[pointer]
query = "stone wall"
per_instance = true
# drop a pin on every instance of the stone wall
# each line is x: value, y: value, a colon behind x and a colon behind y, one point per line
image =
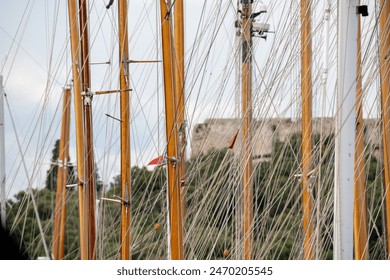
x: 217, y: 133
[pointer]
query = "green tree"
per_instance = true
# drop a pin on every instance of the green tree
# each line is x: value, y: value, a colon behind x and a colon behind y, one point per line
x: 276, y: 200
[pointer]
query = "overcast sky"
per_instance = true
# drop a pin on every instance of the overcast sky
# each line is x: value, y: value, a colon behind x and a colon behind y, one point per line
x: 35, y: 65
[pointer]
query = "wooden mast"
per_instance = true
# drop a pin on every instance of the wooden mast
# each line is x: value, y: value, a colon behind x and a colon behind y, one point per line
x: 77, y: 80
x: 176, y: 231
x: 62, y: 178
x: 360, y: 206
x: 83, y: 112
x: 89, y: 188
x: 179, y: 86
x: 125, y: 130
x: 247, y: 169
x: 385, y: 105
x: 307, y: 145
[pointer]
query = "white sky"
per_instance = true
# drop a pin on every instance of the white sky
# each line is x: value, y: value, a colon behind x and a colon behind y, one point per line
x: 35, y: 65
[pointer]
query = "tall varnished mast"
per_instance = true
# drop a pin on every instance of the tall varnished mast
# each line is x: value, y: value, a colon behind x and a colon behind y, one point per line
x: 384, y: 45
x: 77, y: 88
x: 247, y: 168
x: 62, y: 178
x: 171, y: 126
x: 125, y: 130
x: 89, y: 189
x: 83, y: 112
x: 307, y: 145
x: 360, y: 229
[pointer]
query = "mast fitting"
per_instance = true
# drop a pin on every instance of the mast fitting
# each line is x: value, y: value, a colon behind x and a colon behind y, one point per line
x: 362, y: 10
x: 87, y: 94
x: 117, y: 199
x: 173, y: 160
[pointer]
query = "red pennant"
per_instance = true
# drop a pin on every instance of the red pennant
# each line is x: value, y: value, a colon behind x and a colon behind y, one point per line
x: 157, y: 160
x: 233, y: 140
